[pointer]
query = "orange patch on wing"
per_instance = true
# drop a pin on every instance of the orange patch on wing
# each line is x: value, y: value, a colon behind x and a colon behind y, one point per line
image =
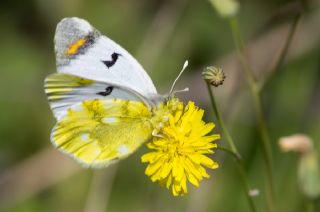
x: 73, y: 48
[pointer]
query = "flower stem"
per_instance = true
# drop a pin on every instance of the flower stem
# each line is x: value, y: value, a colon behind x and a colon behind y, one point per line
x: 310, y: 206
x: 284, y: 51
x: 221, y: 123
x: 266, y: 144
x: 230, y: 152
x: 233, y: 150
x: 100, y: 189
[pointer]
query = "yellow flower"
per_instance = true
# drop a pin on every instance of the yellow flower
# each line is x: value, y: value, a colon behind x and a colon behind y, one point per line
x: 179, y: 147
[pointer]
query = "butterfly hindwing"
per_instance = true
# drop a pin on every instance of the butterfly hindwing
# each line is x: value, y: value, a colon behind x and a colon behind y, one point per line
x: 65, y: 90
x: 82, y: 51
x: 99, y: 132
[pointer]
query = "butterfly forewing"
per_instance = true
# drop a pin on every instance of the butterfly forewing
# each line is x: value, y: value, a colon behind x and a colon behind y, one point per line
x: 82, y: 51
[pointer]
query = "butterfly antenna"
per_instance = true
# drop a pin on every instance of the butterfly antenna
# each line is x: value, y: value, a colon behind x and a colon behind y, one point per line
x: 175, y: 81
x: 181, y: 91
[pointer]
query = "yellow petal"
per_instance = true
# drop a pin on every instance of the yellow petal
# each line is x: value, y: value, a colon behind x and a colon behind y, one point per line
x: 206, y: 129
x: 192, y: 179
x: 155, y: 178
x: 177, y: 116
x: 152, y: 168
x: 203, y: 172
x: 184, y: 184
x: 177, y: 170
x: 166, y: 169
x: 206, y: 160
x: 148, y: 157
x: 169, y: 181
x: 193, y: 168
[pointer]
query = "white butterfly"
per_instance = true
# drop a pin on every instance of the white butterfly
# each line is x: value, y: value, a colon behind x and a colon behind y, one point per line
x: 101, y: 96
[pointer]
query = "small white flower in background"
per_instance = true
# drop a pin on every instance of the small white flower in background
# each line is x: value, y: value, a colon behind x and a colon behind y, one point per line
x: 296, y: 143
x: 254, y: 192
x: 226, y: 8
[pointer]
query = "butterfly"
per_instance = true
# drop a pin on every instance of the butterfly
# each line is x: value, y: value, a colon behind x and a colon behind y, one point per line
x: 101, y: 97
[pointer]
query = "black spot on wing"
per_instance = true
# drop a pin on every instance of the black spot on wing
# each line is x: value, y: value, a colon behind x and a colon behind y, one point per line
x: 106, y: 92
x: 114, y: 58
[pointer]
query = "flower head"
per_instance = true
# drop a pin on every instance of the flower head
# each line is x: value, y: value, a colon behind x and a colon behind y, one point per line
x: 179, y: 147
x: 215, y: 76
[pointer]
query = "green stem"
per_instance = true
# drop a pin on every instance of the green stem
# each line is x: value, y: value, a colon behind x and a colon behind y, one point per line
x: 284, y: 51
x: 100, y: 189
x: 267, y: 151
x: 266, y: 144
x: 232, y: 151
x: 309, y: 205
x: 221, y: 123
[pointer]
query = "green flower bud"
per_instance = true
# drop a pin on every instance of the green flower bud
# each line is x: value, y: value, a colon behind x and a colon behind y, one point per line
x: 215, y: 76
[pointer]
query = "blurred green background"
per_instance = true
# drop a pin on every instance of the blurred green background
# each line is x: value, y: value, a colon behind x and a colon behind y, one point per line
x: 161, y: 35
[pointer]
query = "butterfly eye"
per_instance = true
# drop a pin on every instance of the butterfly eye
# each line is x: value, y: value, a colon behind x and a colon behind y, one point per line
x: 106, y: 92
x: 114, y: 58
